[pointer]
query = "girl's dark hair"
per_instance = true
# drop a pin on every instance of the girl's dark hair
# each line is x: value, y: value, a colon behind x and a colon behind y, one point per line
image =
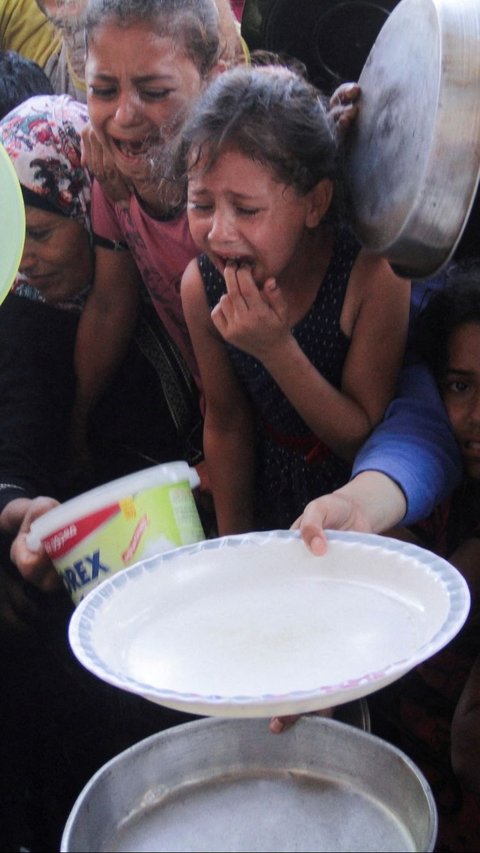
x: 259, y: 58
x: 268, y: 113
x: 458, y: 303
x: 192, y: 24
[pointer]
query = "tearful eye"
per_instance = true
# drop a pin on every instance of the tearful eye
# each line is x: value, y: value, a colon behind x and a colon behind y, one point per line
x: 102, y: 91
x: 197, y: 207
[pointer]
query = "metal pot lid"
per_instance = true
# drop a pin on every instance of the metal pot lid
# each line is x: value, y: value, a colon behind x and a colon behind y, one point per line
x: 413, y: 156
x: 331, y: 37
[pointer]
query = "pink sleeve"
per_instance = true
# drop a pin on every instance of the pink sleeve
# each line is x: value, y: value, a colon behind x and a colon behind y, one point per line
x: 104, y: 218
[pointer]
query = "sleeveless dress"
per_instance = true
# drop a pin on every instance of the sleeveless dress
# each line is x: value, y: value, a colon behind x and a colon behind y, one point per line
x: 292, y: 465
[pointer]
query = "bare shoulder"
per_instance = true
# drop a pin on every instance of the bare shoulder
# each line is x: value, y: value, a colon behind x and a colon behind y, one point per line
x: 191, y: 286
x: 194, y: 298
x: 372, y: 278
x: 374, y: 288
x: 371, y: 267
x: 191, y: 276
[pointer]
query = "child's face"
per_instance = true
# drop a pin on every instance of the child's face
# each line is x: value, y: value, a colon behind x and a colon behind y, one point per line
x: 237, y: 211
x: 138, y: 84
x: 461, y: 393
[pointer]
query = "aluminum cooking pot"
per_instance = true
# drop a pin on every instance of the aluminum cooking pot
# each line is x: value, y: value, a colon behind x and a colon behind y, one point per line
x: 230, y: 785
x: 413, y: 156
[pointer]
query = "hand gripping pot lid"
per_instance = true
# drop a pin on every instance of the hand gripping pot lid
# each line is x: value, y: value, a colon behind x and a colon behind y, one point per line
x: 12, y: 223
x: 90, y: 502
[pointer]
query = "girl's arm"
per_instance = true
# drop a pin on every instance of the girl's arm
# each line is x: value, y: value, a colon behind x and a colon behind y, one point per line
x: 375, y: 317
x: 228, y: 432
x: 370, y: 503
x: 410, y: 463
x: 105, y: 329
x: 415, y: 445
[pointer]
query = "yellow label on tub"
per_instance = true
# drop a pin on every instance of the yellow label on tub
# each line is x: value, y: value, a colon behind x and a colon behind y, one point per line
x: 128, y: 507
x: 89, y: 549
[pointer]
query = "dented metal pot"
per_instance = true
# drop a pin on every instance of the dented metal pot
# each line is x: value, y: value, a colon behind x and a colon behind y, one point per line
x: 413, y: 156
x: 230, y: 785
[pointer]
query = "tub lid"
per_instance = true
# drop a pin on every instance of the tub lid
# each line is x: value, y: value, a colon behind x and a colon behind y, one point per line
x: 95, y: 499
x: 12, y: 223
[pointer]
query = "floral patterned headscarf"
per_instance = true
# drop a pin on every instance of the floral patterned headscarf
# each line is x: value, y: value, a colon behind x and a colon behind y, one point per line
x: 42, y: 138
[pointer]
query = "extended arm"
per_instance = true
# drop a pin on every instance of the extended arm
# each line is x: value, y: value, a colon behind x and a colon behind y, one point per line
x: 370, y: 503
x: 414, y: 445
x: 408, y: 465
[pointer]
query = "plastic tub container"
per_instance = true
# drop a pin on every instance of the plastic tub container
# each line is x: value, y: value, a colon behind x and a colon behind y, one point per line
x: 113, y: 526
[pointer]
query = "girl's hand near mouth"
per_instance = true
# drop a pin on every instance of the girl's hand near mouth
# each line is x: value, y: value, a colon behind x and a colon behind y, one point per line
x: 100, y: 165
x: 251, y: 317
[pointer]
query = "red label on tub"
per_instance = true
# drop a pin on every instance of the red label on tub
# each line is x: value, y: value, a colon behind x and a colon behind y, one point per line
x: 63, y: 540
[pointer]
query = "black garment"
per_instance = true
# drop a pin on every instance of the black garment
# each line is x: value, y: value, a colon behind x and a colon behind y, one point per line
x: 149, y: 414
x: 59, y: 723
x: 292, y: 465
x: 36, y: 393
x: 415, y: 713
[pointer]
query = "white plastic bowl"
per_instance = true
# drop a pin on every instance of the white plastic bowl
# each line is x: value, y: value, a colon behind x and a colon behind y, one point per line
x: 256, y: 625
